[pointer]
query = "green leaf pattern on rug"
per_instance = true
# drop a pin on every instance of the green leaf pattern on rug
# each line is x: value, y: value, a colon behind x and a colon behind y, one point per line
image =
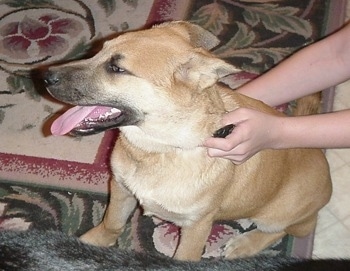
x: 18, y: 84
x: 240, y: 46
x: 3, y: 111
x: 33, y: 198
x: 2, y: 115
x: 51, y: 209
x: 3, y: 192
x: 26, y: 3
x: 98, y: 210
x: 277, y: 19
x: 72, y: 210
x: 212, y: 17
x: 131, y: 3
x: 78, y: 51
x: 125, y: 239
x: 108, y: 5
x: 243, y: 38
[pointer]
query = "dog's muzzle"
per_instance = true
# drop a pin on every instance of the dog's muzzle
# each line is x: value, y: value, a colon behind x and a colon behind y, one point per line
x: 91, y: 114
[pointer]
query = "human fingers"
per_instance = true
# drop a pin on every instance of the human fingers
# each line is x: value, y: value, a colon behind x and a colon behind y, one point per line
x: 213, y: 152
x: 224, y: 144
x: 234, y: 158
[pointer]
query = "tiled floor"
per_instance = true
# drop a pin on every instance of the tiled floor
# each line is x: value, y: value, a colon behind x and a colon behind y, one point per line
x: 333, y: 230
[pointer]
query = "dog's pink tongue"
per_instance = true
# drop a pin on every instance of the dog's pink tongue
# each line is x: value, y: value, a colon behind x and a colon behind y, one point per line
x: 71, y: 118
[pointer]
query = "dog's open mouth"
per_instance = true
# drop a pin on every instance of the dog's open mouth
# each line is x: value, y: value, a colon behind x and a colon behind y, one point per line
x: 85, y: 120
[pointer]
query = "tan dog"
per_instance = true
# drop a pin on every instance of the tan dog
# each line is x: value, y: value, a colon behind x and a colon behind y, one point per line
x: 162, y: 86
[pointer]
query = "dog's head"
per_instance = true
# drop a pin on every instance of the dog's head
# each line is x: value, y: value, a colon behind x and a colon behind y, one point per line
x: 138, y: 77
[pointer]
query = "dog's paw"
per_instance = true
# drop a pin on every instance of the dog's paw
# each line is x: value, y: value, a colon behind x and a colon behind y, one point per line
x: 99, y: 237
x: 238, y: 247
x: 250, y: 243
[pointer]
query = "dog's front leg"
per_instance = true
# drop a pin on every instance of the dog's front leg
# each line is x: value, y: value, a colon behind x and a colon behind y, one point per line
x: 193, y: 239
x: 121, y: 205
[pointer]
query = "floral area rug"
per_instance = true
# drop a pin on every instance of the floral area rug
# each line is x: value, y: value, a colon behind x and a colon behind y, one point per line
x: 61, y: 183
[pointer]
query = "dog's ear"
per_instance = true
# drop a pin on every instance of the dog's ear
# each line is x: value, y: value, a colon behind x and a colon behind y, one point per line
x: 196, y: 35
x: 202, y: 71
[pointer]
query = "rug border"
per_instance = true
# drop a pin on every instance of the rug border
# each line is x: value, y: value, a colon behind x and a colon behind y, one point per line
x: 61, y: 172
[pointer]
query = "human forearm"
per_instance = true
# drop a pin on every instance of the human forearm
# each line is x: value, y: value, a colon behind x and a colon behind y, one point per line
x: 312, y: 69
x: 317, y: 131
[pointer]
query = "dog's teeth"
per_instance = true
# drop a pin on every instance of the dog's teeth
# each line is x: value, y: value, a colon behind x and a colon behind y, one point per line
x: 101, y: 118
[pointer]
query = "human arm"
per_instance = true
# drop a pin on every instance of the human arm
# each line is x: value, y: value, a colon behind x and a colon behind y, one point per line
x: 314, y: 68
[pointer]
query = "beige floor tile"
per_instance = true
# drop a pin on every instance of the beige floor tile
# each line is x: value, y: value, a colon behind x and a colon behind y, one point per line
x: 346, y: 223
x: 335, y: 160
x: 343, y: 94
x: 333, y: 242
x: 325, y: 220
x: 343, y: 154
x: 339, y: 205
x: 332, y: 236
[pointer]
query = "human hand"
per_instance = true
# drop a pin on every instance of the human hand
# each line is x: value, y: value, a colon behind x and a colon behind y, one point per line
x: 253, y: 132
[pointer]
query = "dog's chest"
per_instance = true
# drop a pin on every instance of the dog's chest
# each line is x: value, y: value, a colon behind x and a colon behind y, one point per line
x: 169, y: 199
x: 180, y: 217
x: 170, y: 190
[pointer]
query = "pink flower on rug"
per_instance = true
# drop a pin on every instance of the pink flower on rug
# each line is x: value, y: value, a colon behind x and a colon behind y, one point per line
x: 220, y: 234
x: 166, y: 237
x: 46, y: 36
x: 15, y: 223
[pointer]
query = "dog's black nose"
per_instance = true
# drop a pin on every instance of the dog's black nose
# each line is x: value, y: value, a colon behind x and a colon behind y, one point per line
x: 51, y: 78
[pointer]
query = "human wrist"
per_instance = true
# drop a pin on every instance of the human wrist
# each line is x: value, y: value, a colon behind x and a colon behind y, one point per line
x: 280, y: 133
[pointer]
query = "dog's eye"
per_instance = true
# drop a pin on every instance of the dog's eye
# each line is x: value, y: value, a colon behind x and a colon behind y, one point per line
x: 115, y: 69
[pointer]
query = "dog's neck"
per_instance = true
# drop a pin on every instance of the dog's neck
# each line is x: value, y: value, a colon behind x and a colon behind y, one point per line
x: 183, y: 129
x: 166, y: 141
